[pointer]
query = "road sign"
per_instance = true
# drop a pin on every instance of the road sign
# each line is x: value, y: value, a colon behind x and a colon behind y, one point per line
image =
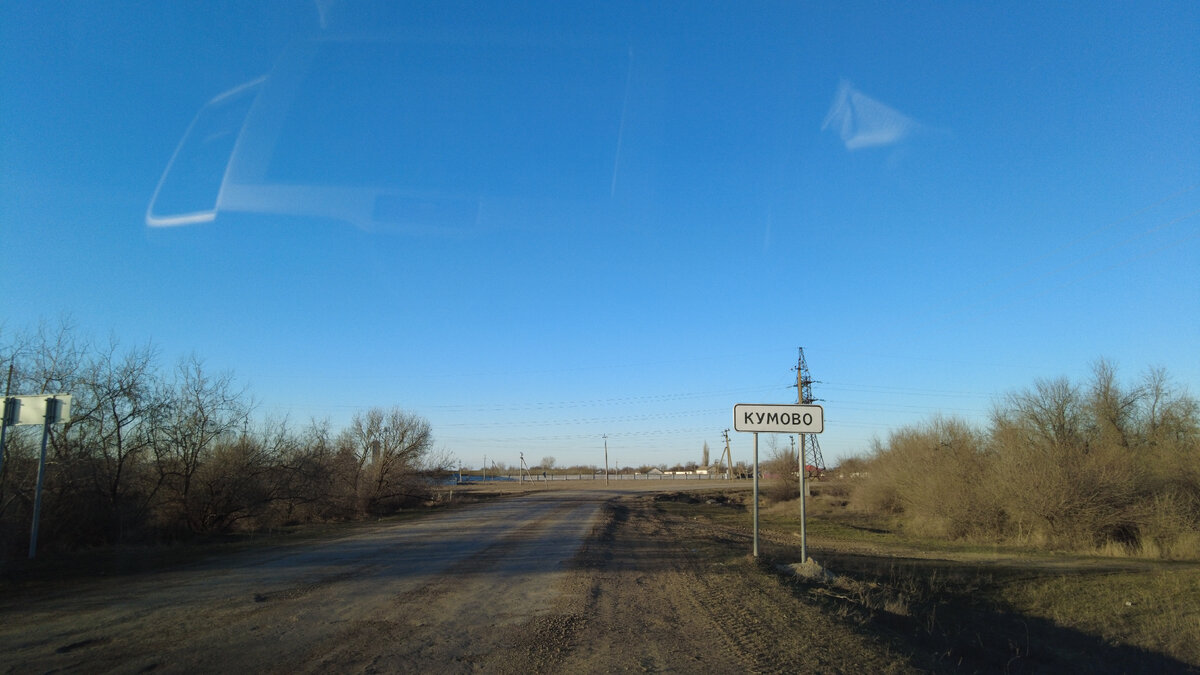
x: 779, y: 419
x: 21, y: 410
x: 46, y: 410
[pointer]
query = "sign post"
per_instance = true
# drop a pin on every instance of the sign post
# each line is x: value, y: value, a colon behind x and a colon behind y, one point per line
x: 778, y: 419
x: 803, y: 499
x: 756, y: 494
x: 10, y: 415
x: 11, y: 407
x: 44, y: 410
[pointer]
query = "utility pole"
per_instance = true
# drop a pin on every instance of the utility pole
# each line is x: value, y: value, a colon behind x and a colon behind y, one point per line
x: 792, y: 440
x: 606, y: 460
x: 727, y: 457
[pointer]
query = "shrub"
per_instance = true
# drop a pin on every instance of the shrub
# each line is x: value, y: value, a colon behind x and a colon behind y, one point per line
x: 1096, y: 467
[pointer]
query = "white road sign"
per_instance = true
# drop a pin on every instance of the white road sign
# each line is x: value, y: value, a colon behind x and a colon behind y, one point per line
x: 32, y: 409
x: 779, y: 419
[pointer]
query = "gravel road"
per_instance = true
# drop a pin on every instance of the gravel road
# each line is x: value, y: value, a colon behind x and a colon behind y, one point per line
x: 560, y: 581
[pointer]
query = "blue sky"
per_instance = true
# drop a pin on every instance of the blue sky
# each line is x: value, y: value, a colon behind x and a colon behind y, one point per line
x: 616, y: 220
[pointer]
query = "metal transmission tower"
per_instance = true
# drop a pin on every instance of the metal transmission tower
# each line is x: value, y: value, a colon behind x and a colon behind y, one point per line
x: 808, y: 442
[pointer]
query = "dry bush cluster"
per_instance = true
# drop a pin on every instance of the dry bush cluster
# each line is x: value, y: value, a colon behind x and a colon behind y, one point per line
x: 1098, y: 466
x: 155, y: 454
x: 780, y: 471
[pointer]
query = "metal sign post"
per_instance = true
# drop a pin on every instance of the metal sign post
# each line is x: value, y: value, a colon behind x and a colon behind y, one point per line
x: 11, y: 408
x: 50, y: 417
x: 803, y: 498
x: 756, y: 494
x: 44, y: 410
x: 779, y: 419
x: 10, y: 415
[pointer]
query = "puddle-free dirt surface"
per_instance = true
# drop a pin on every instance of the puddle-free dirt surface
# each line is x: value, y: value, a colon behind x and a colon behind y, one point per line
x: 558, y: 581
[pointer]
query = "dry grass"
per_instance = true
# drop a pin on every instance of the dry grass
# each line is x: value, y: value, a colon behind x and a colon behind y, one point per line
x: 963, y: 606
x: 1097, y: 468
x: 1156, y: 610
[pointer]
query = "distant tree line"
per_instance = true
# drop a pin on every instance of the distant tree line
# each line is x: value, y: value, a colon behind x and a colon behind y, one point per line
x: 155, y: 454
x: 1097, y: 466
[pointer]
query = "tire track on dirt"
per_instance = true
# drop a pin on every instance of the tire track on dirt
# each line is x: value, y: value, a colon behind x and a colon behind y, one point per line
x: 671, y: 594
x: 629, y: 600
x: 457, y: 619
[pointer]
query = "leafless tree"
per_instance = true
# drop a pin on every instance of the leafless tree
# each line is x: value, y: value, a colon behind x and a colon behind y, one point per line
x: 1112, y: 409
x: 201, y: 409
x: 388, y: 449
x: 149, y: 454
x: 117, y: 407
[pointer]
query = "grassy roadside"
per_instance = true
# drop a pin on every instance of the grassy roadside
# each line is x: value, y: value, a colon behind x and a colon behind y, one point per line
x: 956, y: 606
x: 1158, y: 610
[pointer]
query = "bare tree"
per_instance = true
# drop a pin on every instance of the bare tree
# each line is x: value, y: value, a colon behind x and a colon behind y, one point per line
x: 306, y: 466
x: 1167, y: 417
x: 388, y: 449
x: 1113, y: 410
x: 55, y: 358
x: 118, y: 405
x: 158, y: 454
x: 1050, y: 416
x: 201, y: 409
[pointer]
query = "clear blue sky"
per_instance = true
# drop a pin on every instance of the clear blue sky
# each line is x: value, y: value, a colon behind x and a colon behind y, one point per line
x: 620, y: 219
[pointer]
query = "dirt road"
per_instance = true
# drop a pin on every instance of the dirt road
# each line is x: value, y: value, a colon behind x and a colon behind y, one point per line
x: 560, y: 581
